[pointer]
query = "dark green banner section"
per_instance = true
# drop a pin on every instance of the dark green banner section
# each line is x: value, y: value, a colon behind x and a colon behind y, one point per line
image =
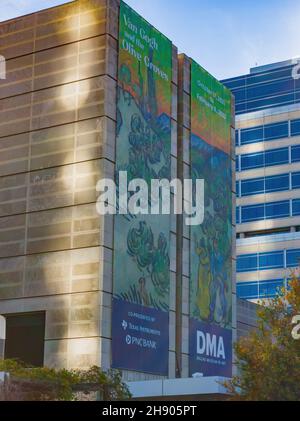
x: 211, y: 242
x: 142, y: 242
x: 210, y: 109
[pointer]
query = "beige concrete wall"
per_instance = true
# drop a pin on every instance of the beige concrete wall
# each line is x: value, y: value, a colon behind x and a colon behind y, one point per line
x: 57, y: 138
x: 57, y: 131
x: 265, y: 117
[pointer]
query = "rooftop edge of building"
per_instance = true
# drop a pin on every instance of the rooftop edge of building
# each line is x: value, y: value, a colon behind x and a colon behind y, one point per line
x: 273, y: 66
x: 264, y: 68
x: 25, y: 15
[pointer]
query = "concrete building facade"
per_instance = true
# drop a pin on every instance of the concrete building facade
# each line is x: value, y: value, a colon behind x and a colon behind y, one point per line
x: 57, y: 122
x: 57, y: 139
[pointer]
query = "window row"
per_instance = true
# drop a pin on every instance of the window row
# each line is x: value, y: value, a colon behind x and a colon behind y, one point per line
x: 269, y: 184
x: 281, y: 156
x: 267, y: 132
x: 265, y: 211
x: 265, y: 103
x: 265, y: 89
x: 260, y: 289
x: 270, y: 260
x: 259, y: 78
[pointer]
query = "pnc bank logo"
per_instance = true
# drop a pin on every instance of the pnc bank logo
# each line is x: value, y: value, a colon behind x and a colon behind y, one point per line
x: 210, y: 345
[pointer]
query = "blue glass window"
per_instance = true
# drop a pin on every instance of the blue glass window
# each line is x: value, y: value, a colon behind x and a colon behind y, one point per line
x: 253, y: 213
x: 277, y: 210
x: 247, y: 262
x: 236, y: 82
x: 261, y: 289
x: 296, y: 207
x: 247, y: 290
x: 267, y: 158
x: 296, y: 153
x: 277, y: 183
x: 276, y: 131
x: 271, y: 102
x: 265, y: 211
x: 264, y: 89
x: 253, y: 160
x: 253, y: 186
x: 269, y: 184
x: 240, y: 108
x: 236, y: 138
x: 295, y: 127
x: 269, y: 289
x: 240, y: 95
x: 252, y: 135
x: 237, y: 188
x: 271, y: 260
x: 271, y: 88
x: 237, y: 166
x: 238, y: 215
x: 292, y: 258
x: 296, y: 180
x: 277, y: 157
x: 269, y: 75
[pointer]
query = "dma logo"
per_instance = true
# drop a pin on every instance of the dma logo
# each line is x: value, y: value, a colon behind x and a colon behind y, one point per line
x: 210, y: 345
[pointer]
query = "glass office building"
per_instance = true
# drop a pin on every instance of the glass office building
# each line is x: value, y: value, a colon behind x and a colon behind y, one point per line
x: 267, y: 177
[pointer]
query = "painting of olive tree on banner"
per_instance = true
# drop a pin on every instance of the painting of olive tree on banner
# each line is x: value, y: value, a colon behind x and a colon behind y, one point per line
x: 143, y: 150
x: 211, y: 242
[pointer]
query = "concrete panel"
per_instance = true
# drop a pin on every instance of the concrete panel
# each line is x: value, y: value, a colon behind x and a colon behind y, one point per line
x: 72, y: 353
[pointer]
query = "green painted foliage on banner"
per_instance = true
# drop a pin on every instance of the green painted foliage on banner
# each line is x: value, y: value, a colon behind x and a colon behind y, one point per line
x: 143, y: 149
x: 211, y: 242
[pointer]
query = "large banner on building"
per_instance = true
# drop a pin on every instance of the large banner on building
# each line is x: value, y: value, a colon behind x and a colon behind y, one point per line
x: 210, y: 344
x: 140, y: 314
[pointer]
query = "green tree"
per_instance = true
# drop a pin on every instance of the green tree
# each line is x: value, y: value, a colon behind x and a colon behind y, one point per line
x: 268, y: 360
x: 44, y: 383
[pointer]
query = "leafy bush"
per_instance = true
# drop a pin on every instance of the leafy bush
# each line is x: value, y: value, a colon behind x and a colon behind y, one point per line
x: 43, y: 383
x: 268, y: 360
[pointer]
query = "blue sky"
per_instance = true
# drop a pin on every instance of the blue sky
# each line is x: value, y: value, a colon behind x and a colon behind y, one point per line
x: 227, y: 37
